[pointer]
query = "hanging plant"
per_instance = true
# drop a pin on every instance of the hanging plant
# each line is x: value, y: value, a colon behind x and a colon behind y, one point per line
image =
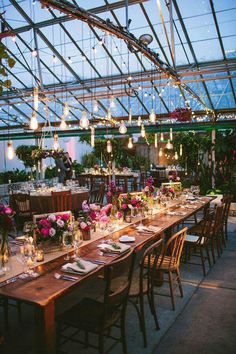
x: 182, y: 114
x: 5, y: 61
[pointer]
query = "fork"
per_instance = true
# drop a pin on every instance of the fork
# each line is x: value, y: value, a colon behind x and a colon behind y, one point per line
x: 65, y: 277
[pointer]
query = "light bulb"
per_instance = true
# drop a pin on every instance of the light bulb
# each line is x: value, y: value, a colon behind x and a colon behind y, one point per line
x: 130, y: 143
x: 139, y: 121
x: 109, y: 146
x: 169, y: 146
x: 155, y: 140
x: 63, y: 124
x: 112, y: 103
x: 95, y: 106
x: 10, y: 150
x: 84, y: 121
x: 171, y: 134
x: 162, y: 137
x: 160, y: 152
x: 69, y: 61
x: 54, y: 58
x: 130, y: 116
x: 176, y: 155
x: 109, y: 117
x: 66, y: 110
x: 181, y: 150
x: 34, y: 53
x: 55, y: 145
x: 92, y: 138
x: 152, y: 116
x: 122, y: 128
x: 13, y: 38
x: 143, y: 133
x: 33, y: 122
x: 36, y: 98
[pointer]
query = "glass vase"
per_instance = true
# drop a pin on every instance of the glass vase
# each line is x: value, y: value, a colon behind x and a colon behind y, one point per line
x: 4, y: 251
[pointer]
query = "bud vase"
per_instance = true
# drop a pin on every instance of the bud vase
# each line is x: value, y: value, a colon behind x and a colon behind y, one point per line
x: 86, y: 235
x: 4, y: 251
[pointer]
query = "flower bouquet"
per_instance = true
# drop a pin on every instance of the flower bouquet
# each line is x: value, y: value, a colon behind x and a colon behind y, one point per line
x: 168, y: 192
x: 125, y: 206
x: 149, y: 189
x: 173, y: 177
x: 6, y: 225
x: 113, y: 193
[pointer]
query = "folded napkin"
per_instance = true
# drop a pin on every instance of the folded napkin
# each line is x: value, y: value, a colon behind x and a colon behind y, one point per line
x: 177, y: 213
x: 113, y: 247
x: 150, y: 228
x: 190, y: 206
x: 79, y: 267
x: 127, y: 238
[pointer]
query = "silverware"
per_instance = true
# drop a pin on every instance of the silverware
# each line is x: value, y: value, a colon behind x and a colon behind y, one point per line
x: 8, y: 281
x: 65, y: 277
x: 95, y: 261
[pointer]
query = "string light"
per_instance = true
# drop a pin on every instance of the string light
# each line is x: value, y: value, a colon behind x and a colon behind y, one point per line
x: 33, y: 121
x: 63, y: 124
x: 95, y: 106
x: 109, y: 146
x: 169, y: 146
x: 66, y: 110
x: 10, y: 150
x: 130, y: 143
x: 13, y: 38
x: 152, y: 116
x: 109, y: 116
x: 122, y: 128
x: 181, y: 150
x: 69, y: 61
x: 160, y: 152
x: 139, y: 121
x: 92, y: 138
x: 155, y: 140
x: 55, y: 145
x: 54, y: 58
x: 112, y: 103
x: 36, y: 98
x: 171, y: 134
x: 34, y: 53
x: 176, y: 155
x: 162, y: 137
x: 84, y: 121
x: 143, y: 132
x: 130, y: 116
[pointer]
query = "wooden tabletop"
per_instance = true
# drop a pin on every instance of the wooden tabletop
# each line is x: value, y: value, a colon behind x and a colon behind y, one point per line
x: 40, y: 291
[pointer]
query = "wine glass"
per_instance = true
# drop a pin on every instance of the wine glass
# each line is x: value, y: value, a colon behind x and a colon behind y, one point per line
x: 76, y: 243
x: 67, y: 240
x: 29, y: 253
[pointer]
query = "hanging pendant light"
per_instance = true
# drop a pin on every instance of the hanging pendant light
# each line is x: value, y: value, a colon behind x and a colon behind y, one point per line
x: 155, y: 140
x: 143, y: 132
x: 109, y: 116
x: 122, y: 128
x: 169, y: 146
x: 92, y: 138
x: 109, y: 146
x: 171, y: 134
x: 33, y: 122
x: 181, y: 150
x: 84, y: 121
x: 130, y: 143
x: 95, y: 106
x: 10, y: 150
x: 130, y: 116
x: 160, y: 152
x: 55, y: 145
x: 36, y: 98
x: 66, y: 110
x: 139, y: 121
x: 176, y: 155
x: 152, y: 116
x: 162, y: 137
x: 112, y: 103
x: 63, y: 124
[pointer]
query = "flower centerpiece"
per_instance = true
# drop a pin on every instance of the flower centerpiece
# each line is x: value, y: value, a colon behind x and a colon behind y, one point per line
x: 87, y: 219
x: 125, y: 206
x: 173, y: 176
x: 6, y: 225
x: 168, y: 192
x: 149, y: 189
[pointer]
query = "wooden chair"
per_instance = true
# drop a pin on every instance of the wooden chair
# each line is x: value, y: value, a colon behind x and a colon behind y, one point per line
x: 98, y: 317
x: 143, y: 284
x: 61, y: 201
x: 227, y: 199
x: 169, y: 262
x: 101, y: 193
x: 21, y: 204
x: 200, y: 243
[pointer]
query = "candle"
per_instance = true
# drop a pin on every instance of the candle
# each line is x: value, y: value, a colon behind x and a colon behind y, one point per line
x: 40, y: 256
x: 9, y: 181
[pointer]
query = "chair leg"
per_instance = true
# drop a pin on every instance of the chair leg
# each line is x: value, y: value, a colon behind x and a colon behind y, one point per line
x: 153, y: 309
x: 208, y: 256
x: 142, y: 323
x: 179, y: 282
x: 19, y: 311
x: 203, y: 261
x: 123, y: 336
x: 100, y: 343
x: 226, y: 230
x: 213, y: 251
x: 171, y: 290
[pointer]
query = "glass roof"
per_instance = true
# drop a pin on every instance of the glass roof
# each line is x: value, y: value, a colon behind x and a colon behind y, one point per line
x: 73, y: 54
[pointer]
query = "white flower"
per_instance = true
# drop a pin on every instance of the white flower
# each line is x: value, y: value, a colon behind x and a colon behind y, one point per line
x: 60, y: 223
x: 52, y: 217
x: 52, y: 232
x: 83, y: 225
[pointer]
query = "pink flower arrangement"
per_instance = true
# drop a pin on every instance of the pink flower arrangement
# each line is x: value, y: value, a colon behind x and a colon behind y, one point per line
x: 52, y: 227
x: 149, y: 189
x: 113, y: 193
x: 6, y: 218
x: 182, y: 114
x: 173, y: 177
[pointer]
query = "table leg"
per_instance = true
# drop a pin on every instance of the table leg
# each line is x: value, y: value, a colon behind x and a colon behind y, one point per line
x: 45, y: 332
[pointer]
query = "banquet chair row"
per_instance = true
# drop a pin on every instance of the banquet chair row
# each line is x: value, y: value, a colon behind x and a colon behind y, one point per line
x: 124, y: 282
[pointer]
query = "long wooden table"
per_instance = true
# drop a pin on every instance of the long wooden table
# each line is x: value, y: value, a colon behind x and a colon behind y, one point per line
x: 42, y: 292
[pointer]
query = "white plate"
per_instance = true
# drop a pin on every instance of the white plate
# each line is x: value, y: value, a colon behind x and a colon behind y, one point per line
x: 126, y: 238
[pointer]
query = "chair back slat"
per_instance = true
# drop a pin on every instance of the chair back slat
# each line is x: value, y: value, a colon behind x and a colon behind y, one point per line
x: 21, y: 202
x: 61, y: 201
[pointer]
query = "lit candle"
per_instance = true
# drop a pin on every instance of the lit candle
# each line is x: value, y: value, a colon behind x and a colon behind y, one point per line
x: 40, y: 256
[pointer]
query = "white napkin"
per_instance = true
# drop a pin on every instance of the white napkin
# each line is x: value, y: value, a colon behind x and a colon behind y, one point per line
x: 75, y: 269
x: 171, y: 213
x: 109, y: 248
x: 127, y: 238
x: 150, y: 228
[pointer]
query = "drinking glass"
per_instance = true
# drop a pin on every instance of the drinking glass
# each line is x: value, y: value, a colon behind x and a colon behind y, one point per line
x: 77, y: 240
x: 29, y: 253
x: 67, y: 240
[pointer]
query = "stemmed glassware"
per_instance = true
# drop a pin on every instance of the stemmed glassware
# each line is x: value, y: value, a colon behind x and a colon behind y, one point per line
x: 76, y: 243
x: 67, y: 240
x: 27, y: 257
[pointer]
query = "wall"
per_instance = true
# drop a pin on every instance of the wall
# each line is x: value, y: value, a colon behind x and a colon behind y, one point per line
x: 72, y: 145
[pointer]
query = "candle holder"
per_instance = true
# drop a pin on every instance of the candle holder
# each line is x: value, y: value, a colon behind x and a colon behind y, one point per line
x: 39, y: 256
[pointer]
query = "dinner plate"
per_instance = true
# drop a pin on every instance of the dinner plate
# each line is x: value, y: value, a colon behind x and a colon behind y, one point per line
x: 126, y: 238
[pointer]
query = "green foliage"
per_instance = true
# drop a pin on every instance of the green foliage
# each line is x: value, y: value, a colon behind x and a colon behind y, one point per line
x: 77, y: 167
x: 89, y: 160
x: 24, y: 153
x: 14, y: 176
x: 50, y: 172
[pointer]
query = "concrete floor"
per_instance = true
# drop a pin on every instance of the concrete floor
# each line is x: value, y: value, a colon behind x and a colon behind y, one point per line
x: 204, y: 320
